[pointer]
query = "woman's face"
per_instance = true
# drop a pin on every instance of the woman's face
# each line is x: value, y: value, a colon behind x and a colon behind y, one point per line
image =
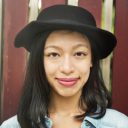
x: 67, y: 62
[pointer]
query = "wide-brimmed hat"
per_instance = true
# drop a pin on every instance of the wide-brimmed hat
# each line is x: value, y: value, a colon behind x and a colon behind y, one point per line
x: 67, y: 17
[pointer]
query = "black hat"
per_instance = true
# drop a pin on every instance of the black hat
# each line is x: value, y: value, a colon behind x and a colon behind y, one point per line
x: 67, y: 17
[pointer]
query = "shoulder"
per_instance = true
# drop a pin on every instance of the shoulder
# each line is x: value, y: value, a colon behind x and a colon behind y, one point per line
x: 115, y: 118
x: 11, y: 123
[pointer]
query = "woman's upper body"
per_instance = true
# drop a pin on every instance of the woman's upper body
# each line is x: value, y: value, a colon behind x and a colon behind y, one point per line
x: 63, y: 78
x: 112, y: 119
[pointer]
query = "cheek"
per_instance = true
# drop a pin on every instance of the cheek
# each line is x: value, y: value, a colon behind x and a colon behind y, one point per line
x: 84, y: 70
x: 84, y: 66
x: 85, y: 75
x: 50, y: 68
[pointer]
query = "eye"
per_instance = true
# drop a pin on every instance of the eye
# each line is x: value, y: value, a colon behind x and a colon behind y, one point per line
x: 53, y: 55
x: 80, y: 54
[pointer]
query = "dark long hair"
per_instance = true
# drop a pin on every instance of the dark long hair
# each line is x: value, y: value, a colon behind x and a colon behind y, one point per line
x: 35, y: 98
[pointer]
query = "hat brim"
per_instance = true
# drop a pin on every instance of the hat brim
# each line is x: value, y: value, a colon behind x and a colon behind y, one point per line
x: 103, y: 40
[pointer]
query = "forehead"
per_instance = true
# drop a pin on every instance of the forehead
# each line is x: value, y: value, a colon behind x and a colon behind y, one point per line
x: 67, y: 37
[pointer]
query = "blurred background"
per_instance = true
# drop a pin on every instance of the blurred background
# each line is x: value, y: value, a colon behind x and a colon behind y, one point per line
x: 111, y: 15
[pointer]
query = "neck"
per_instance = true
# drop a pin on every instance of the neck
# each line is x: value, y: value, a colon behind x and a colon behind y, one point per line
x: 64, y: 105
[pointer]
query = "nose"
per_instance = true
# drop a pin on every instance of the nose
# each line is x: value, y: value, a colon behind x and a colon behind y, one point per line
x: 66, y: 66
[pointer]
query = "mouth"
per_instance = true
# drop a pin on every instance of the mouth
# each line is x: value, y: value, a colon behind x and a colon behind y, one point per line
x: 67, y: 82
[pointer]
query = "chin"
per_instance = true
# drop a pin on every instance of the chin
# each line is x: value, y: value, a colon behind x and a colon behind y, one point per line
x: 69, y: 94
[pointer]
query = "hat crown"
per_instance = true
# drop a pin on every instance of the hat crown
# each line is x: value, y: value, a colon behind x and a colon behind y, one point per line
x: 69, y: 14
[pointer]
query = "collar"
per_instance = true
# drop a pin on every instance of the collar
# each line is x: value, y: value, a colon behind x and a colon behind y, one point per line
x: 88, y: 121
x: 91, y: 121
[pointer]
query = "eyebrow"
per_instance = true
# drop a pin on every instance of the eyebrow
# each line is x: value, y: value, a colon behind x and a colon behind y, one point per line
x: 52, y: 46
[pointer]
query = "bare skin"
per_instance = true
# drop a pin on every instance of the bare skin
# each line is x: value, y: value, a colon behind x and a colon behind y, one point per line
x: 62, y: 112
x: 67, y: 56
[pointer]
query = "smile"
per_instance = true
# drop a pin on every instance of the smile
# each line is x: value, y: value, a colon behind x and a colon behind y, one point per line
x: 67, y: 82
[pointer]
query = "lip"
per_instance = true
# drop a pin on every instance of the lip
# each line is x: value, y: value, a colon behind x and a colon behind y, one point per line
x: 67, y: 82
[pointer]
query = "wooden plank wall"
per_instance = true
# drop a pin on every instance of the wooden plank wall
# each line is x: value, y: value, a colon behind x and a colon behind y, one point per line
x: 16, y: 16
x: 120, y: 62
x: 47, y: 3
x: 1, y: 12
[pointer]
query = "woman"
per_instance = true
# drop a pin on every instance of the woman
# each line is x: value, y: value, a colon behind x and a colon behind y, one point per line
x: 63, y: 86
